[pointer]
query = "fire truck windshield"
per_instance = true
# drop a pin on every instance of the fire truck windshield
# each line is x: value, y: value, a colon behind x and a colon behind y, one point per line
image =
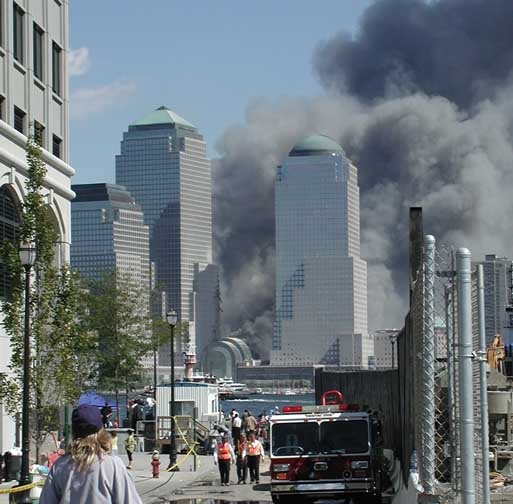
x: 350, y: 436
x: 290, y: 439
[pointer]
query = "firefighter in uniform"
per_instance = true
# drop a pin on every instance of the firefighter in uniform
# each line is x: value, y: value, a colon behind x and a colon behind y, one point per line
x: 255, y: 455
x: 242, y: 468
x: 223, y: 455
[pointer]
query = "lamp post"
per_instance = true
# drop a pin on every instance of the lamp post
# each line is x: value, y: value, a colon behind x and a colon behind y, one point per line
x: 27, y: 253
x: 393, y: 339
x: 172, y: 320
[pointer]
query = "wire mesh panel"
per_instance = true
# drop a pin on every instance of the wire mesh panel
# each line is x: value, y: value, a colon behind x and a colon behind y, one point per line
x: 443, y: 386
x: 476, y: 392
x: 417, y: 322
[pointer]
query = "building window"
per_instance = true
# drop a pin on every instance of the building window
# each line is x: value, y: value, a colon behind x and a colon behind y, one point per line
x: 57, y: 146
x: 38, y: 51
x: 39, y: 133
x: 9, y: 224
x: 19, y: 120
x: 2, y: 108
x: 18, y: 32
x: 56, y: 68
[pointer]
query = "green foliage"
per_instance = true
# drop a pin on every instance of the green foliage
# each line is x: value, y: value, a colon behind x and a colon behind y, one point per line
x: 59, y: 342
x: 119, y: 316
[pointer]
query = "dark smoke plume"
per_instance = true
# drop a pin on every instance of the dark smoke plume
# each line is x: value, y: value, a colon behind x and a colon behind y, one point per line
x: 460, y: 49
x: 424, y: 109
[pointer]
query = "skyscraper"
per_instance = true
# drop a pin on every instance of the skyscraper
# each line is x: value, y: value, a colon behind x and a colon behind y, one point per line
x: 108, y: 233
x: 321, y: 281
x: 163, y: 163
x: 498, y: 295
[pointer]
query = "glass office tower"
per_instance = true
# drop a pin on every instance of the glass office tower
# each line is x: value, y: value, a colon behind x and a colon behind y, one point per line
x: 321, y: 281
x: 163, y: 163
x: 108, y: 233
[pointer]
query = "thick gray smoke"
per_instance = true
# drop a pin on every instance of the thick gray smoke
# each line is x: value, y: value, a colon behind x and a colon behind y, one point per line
x: 427, y: 123
x: 460, y: 49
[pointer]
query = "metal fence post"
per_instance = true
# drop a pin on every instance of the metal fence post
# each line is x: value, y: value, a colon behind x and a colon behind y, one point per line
x: 484, y: 385
x: 463, y: 272
x: 450, y: 383
x: 428, y: 368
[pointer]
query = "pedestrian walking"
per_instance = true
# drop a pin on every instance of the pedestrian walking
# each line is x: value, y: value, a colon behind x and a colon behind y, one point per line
x: 223, y: 456
x: 130, y: 447
x: 255, y: 455
x: 236, y: 428
x: 242, y: 467
x: 88, y: 473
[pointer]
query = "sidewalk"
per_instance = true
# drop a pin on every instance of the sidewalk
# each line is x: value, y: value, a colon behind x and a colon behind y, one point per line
x: 184, y: 484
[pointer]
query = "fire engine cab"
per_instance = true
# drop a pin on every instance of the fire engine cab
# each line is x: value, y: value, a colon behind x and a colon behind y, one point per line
x: 328, y: 451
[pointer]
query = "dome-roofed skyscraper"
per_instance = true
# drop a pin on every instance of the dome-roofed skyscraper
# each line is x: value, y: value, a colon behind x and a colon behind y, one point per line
x: 321, y: 281
x: 163, y: 163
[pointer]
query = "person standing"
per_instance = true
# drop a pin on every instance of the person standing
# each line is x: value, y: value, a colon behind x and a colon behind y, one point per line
x: 223, y: 456
x: 236, y: 428
x: 241, y: 452
x: 255, y: 455
x: 250, y: 423
x: 130, y: 447
x: 114, y: 443
x: 88, y: 473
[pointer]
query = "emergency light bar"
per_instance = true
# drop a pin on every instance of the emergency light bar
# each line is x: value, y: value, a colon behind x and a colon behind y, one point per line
x: 319, y: 409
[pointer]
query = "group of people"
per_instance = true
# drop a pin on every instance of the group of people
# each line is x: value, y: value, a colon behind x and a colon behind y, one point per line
x: 247, y: 455
x: 246, y: 452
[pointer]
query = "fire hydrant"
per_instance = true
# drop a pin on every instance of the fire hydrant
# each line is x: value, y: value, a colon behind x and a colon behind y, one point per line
x: 155, y: 463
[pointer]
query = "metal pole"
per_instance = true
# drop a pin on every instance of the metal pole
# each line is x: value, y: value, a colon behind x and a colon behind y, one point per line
x: 428, y: 370
x: 156, y: 435
x: 463, y: 271
x: 194, y: 420
x: 450, y: 383
x: 483, y: 385
x: 25, y: 424
x: 172, y: 447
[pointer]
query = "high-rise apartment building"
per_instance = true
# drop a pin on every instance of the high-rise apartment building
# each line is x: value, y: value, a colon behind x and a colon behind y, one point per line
x: 498, y: 289
x: 33, y: 100
x: 108, y: 234
x: 163, y: 163
x: 321, y: 281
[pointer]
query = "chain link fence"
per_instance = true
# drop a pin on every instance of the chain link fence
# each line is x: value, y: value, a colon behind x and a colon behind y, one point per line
x: 434, y: 332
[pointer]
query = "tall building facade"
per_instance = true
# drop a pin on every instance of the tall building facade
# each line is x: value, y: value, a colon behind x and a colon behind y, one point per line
x: 33, y: 100
x: 498, y: 289
x: 321, y: 281
x: 108, y: 234
x: 163, y: 163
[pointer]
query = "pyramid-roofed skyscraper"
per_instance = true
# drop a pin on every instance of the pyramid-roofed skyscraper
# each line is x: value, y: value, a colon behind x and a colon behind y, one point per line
x: 163, y: 163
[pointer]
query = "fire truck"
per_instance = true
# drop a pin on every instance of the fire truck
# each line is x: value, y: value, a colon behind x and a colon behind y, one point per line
x: 332, y: 450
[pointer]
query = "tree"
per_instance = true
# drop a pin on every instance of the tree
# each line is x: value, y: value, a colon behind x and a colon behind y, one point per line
x: 60, y: 345
x: 119, y: 316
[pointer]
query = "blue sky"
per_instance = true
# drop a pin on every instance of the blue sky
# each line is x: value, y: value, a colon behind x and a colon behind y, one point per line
x: 206, y: 60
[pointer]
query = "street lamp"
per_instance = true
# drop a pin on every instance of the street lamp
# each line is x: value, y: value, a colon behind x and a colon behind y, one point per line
x: 172, y: 320
x: 27, y: 253
x: 393, y: 339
